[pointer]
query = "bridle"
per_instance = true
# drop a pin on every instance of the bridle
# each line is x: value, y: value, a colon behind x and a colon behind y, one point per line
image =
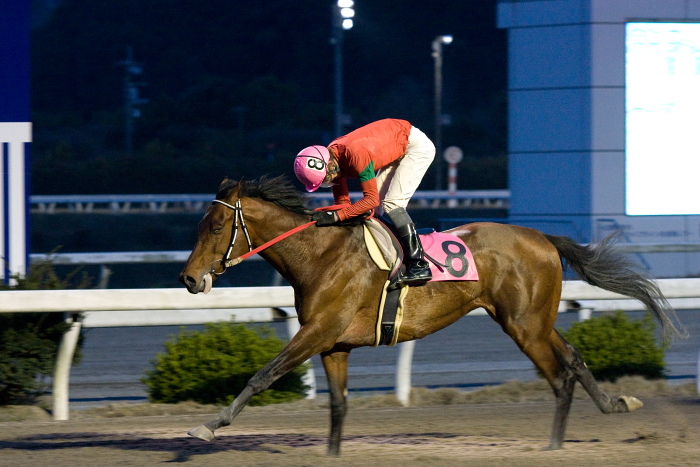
x: 237, y: 216
x: 226, y: 261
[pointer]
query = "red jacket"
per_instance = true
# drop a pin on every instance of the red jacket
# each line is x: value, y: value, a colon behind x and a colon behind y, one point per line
x: 360, y: 154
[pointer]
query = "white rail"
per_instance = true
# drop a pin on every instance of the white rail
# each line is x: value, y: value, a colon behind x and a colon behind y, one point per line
x: 180, y: 256
x: 78, y: 301
x: 141, y: 307
x: 193, y: 203
x: 115, y: 257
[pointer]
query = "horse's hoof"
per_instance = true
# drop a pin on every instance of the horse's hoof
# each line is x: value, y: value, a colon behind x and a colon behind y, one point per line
x: 632, y: 403
x: 552, y: 447
x: 202, y: 432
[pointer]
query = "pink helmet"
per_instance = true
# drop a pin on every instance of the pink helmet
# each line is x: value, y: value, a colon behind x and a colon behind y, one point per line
x: 311, y: 165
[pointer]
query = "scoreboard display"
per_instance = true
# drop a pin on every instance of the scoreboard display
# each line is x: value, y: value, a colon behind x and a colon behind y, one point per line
x: 662, y: 140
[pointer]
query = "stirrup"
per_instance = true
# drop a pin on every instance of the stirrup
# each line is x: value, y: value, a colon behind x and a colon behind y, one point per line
x: 417, y: 278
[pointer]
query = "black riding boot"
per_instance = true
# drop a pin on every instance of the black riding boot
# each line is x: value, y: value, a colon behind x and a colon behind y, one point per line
x: 417, y: 269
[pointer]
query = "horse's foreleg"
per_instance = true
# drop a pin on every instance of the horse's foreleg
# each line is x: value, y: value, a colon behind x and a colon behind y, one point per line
x: 306, y: 343
x: 335, y: 362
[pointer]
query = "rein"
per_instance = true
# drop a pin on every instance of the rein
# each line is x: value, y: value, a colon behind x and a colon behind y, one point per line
x: 226, y: 262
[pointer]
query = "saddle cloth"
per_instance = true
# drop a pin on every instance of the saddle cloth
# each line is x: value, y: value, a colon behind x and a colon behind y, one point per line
x: 449, y: 257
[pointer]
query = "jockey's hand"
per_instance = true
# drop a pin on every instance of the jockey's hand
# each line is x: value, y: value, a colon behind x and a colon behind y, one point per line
x: 324, y: 218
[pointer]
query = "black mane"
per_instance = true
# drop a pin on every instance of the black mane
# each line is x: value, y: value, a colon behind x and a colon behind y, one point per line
x: 278, y: 190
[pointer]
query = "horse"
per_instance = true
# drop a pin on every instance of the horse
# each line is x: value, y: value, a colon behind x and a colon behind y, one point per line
x: 337, y: 288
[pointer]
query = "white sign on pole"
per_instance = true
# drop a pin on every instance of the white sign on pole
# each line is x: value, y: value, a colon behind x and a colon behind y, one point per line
x: 15, y: 134
x: 453, y: 155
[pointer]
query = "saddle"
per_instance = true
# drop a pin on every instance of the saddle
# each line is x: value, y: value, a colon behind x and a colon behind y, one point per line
x: 449, y: 257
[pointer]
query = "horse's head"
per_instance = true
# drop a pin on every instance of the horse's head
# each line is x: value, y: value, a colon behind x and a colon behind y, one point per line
x: 216, y: 239
x: 227, y: 233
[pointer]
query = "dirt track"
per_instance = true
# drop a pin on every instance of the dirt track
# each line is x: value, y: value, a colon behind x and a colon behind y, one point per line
x: 665, y: 432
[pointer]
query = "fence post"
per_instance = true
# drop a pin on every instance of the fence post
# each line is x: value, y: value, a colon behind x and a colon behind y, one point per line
x: 584, y: 314
x: 61, y: 373
x: 403, y: 372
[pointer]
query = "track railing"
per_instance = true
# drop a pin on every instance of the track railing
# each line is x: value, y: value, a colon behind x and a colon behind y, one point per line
x: 195, y: 203
x: 151, y: 307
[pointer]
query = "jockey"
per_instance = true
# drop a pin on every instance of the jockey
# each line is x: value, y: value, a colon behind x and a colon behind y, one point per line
x: 390, y: 158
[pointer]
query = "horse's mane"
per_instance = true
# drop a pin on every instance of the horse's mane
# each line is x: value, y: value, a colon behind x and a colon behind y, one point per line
x: 278, y: 190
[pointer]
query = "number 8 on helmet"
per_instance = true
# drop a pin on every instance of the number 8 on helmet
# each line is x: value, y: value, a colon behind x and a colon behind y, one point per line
x: 311, y: 166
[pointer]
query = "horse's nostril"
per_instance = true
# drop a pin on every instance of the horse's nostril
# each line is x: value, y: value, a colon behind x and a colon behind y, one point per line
x: 188, y: 280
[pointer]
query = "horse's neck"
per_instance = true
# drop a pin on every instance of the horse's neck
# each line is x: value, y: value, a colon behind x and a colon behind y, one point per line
x: 277, y: 223
x: 300, y: 255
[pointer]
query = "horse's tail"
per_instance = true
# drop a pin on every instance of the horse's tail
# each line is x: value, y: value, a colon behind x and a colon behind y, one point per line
x: 603, y: 266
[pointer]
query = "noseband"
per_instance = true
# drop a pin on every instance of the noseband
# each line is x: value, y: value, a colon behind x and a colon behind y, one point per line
x: 226, y: 261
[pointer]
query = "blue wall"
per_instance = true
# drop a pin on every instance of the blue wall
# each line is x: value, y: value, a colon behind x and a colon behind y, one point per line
x: 14, y: 60
x: 549, y: 95
x: 566, y: 128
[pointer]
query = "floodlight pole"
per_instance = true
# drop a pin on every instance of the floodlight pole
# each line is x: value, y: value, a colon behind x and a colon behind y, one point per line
x: 342, y: 19
x: 337, y: 41
x: 437, y: 57
x: 131, y: 98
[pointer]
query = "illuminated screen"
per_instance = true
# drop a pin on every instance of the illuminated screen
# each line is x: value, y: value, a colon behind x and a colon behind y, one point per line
x: 662, y: 162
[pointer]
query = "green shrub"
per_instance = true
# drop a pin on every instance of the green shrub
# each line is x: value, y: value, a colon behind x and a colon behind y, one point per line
x: 613, y: 346
x: 212, y: 366
x: 29, y: 341
x: 28, y: 346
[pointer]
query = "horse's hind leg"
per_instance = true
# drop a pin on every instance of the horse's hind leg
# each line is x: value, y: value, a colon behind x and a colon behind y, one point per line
x: 335, y: 362
x: 562, y: 365
x: 572, y: 358
x: 560, y: 377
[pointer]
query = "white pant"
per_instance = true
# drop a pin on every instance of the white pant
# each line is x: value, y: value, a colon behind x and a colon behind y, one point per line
x: 399, y: 180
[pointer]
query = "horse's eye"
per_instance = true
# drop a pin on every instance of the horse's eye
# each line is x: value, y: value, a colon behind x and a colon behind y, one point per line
x: 217, y: 229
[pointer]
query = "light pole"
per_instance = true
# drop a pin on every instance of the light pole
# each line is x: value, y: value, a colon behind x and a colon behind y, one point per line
x: 343, y: 14
x: 131, y: 97
x: 437, y: 57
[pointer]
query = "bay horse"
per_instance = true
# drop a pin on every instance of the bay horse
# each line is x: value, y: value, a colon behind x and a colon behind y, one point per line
x: 337, y: 290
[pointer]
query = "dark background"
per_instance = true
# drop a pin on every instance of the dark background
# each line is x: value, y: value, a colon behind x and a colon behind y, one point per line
x: 238, y: 88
